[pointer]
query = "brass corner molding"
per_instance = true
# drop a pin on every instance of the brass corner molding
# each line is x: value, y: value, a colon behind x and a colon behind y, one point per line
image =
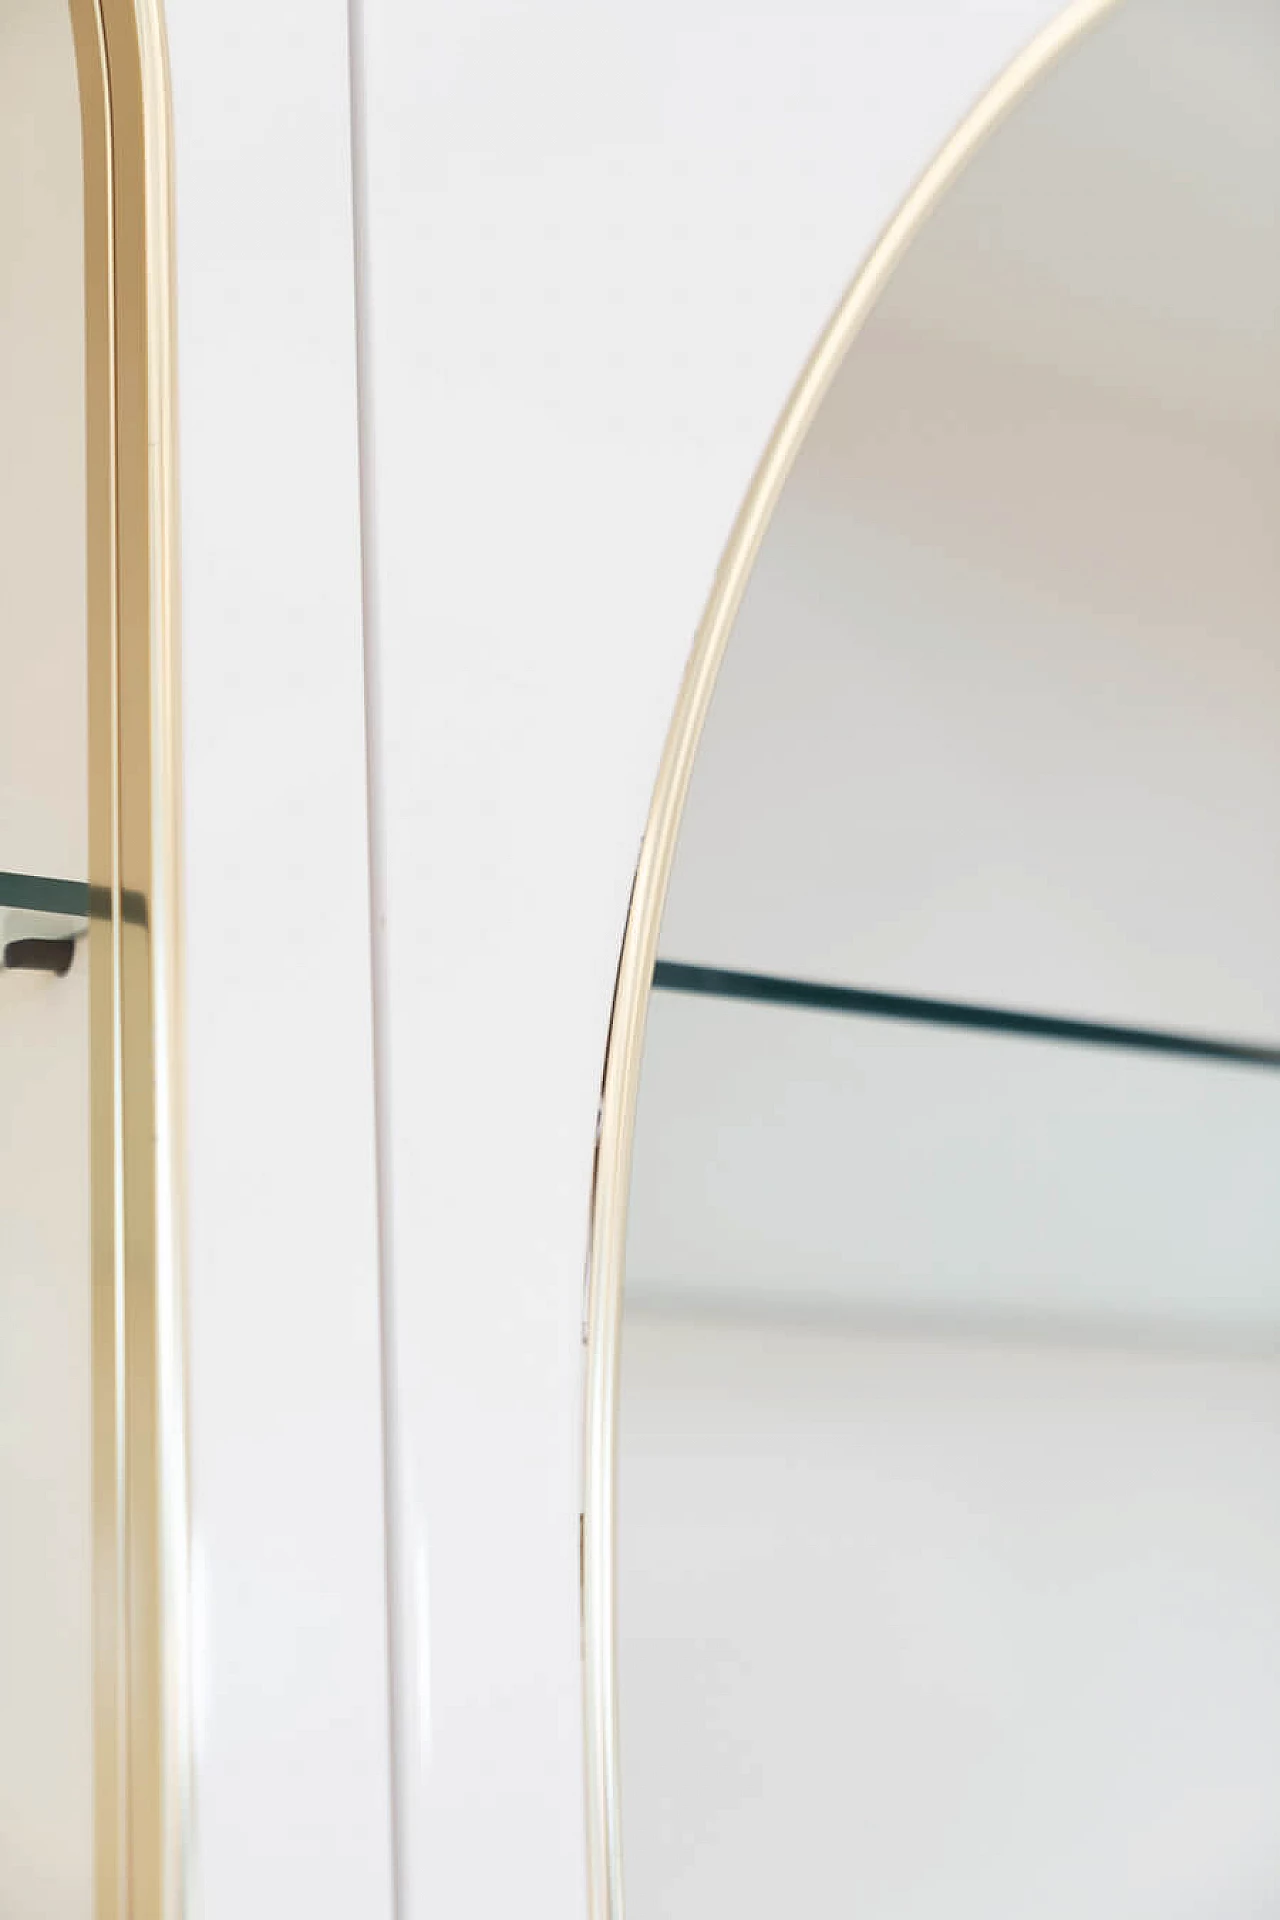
x: 138, y: 1370
x: 625, y: 1045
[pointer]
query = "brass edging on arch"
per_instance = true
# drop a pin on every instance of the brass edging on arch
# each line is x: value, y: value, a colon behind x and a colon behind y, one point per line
x: 138, y: 1369
x: 605, y: 1895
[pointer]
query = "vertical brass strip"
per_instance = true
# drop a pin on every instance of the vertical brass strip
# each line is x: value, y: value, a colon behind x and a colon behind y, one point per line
x: 139, y: 1437
x: 145, y: 1782
x: 151, y: 1053
x: 107, y: 1359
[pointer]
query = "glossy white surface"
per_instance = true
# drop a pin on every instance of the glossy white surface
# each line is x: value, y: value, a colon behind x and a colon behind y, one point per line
x: 292, y: 1803
x: 599, y: 245
x: 46, y: 1564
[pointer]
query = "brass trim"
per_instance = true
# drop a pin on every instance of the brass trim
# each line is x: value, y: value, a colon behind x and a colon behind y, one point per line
x: 139, y: 1448
x: 625, y: 1046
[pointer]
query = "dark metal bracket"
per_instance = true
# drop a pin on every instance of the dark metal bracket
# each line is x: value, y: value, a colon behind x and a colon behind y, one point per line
x: 40, y: 956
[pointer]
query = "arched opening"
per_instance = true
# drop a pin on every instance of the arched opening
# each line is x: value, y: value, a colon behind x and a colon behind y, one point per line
x: 948, y: 1350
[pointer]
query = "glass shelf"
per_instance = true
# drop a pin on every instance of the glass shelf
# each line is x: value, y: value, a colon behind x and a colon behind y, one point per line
x: 765, y: 989
x: 803, y: 1147
x: 37, y: 906
x: 38, y: 893
x: 41, y: 919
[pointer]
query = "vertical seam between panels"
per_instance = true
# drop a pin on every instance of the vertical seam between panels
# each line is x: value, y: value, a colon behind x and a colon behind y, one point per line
x: 377, y: 893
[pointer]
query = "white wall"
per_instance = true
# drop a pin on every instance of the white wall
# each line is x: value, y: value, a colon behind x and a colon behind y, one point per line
x: 924, y: 1630
x: 46, y: 1700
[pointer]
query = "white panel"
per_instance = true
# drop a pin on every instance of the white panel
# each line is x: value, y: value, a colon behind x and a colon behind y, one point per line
x: 1024, y: 1606
x: 600, y: 243
x: 292, y: 1790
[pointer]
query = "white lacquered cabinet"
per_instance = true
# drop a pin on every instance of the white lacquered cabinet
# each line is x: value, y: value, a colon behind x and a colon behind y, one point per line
x: 405, y: 409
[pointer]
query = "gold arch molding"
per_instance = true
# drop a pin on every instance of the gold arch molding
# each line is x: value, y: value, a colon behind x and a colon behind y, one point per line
x: 139, y: 1453
x: 640, y: 941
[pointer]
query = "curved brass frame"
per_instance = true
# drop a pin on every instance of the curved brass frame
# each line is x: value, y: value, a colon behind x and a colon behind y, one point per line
x: 640, y: 941
x: 139, y: 1452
